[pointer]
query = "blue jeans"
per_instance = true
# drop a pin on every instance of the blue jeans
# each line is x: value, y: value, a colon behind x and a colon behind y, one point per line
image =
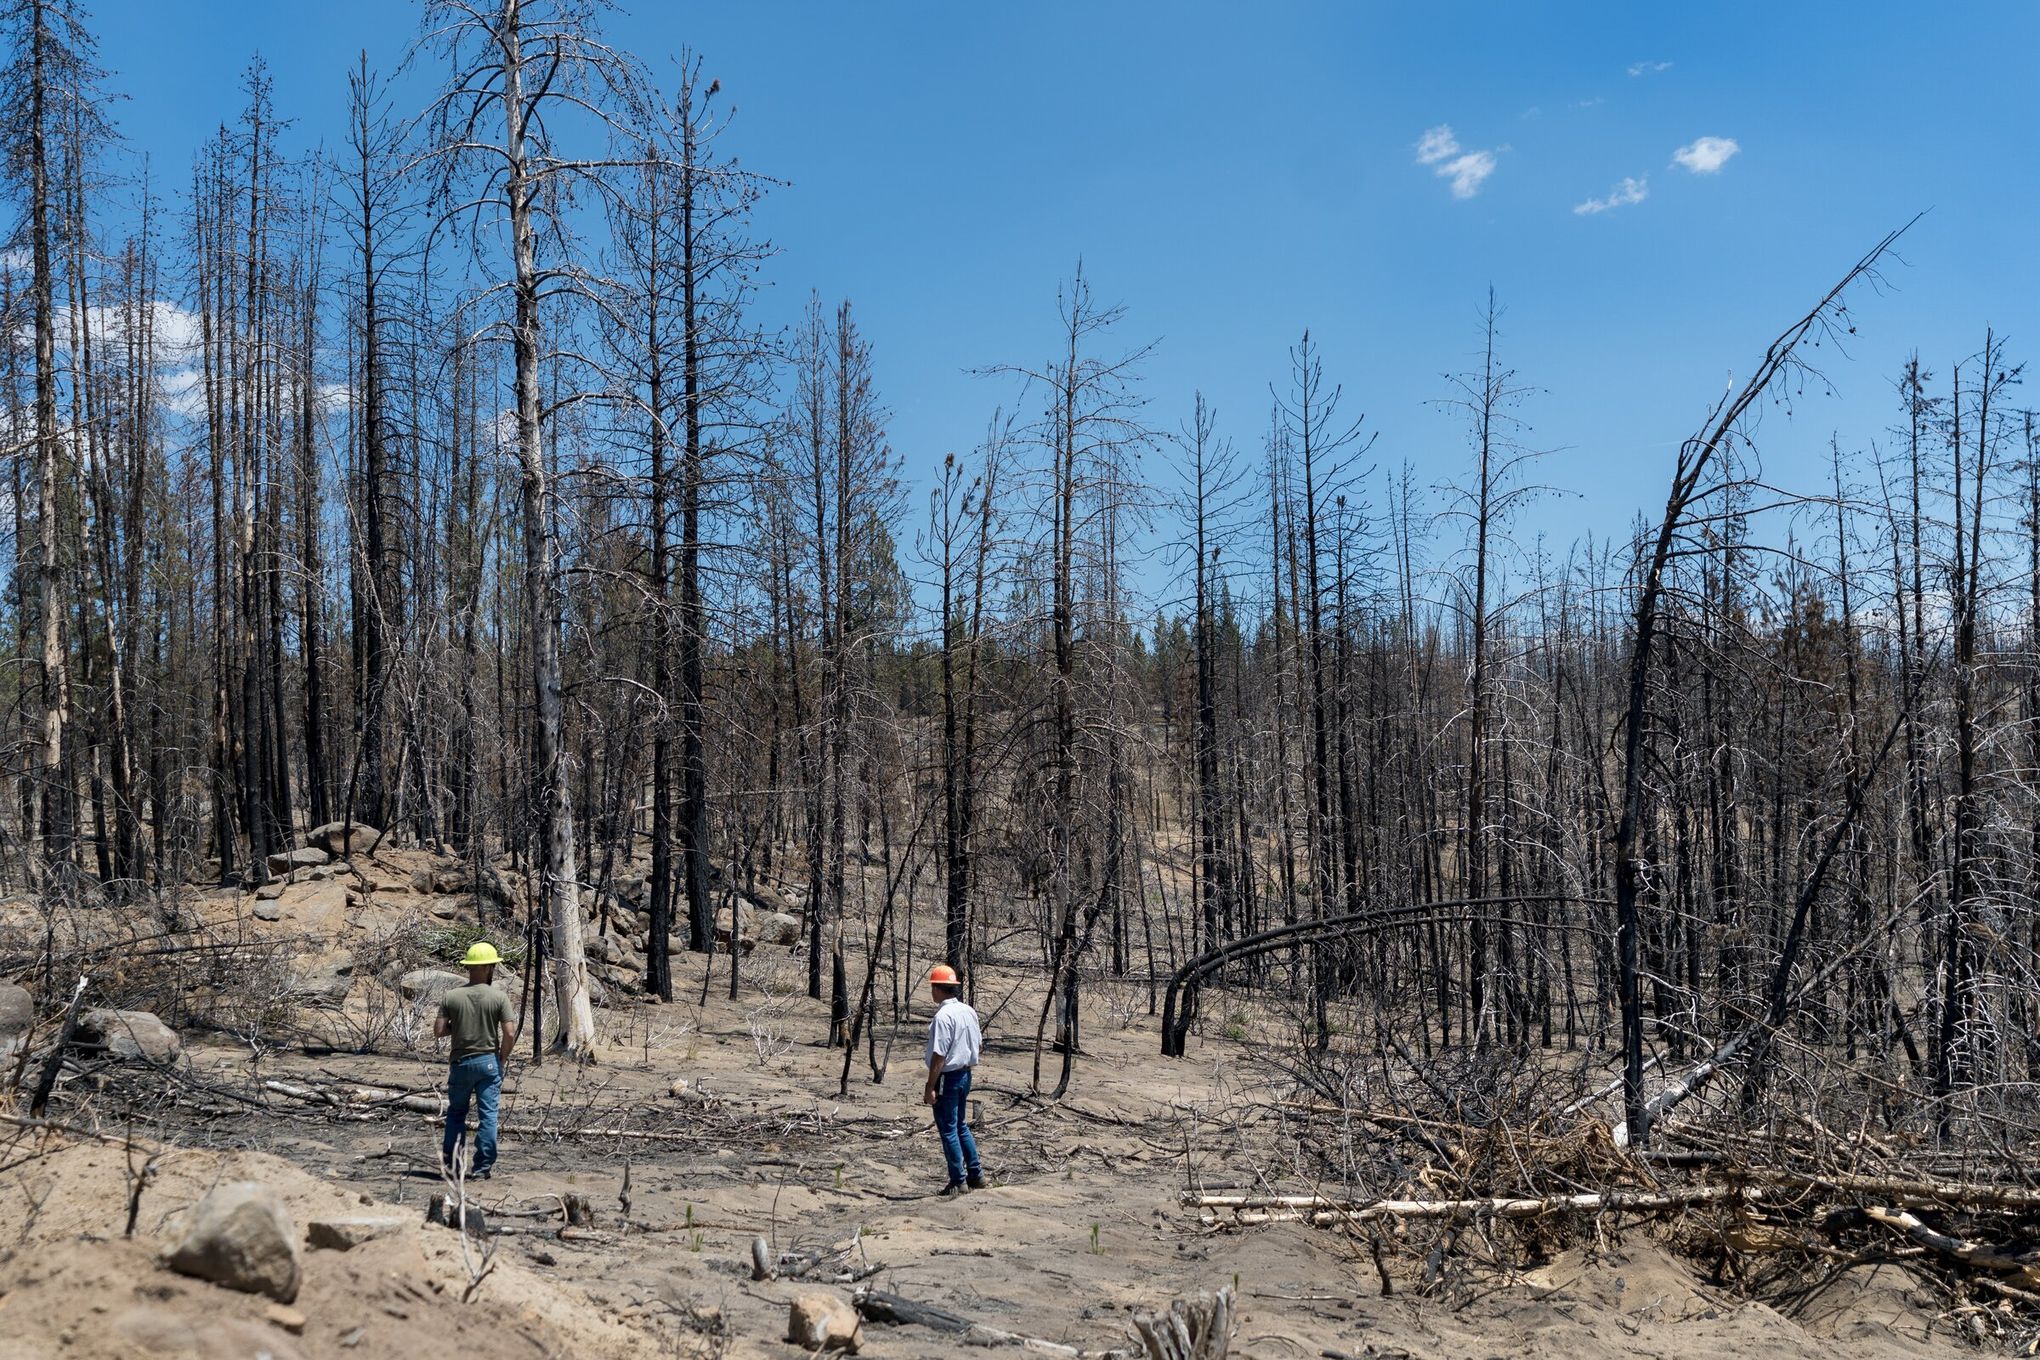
x: 959, y: 1149
x: 480, y: 1077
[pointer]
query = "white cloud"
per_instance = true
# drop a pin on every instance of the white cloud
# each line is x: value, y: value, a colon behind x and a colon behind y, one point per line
x: 1706, y: 155
x: 1436, y: 144
x: 1648, y: 68
x: 1466, y: 170
x: 1630, y: 190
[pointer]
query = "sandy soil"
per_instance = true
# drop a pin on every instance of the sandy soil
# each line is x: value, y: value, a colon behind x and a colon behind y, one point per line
x: 1082, y: 1227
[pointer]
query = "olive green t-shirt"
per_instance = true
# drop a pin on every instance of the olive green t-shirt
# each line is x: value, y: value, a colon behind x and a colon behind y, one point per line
x: 472, y: 1014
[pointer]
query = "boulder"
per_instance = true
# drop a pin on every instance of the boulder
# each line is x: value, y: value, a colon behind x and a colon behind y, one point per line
x: 133, y: 1036
x: 449, y: 908
x: 240, y: 1236
x: 304, y: 857
x: 375, y: 878
x: 774, y: 927
x: 611, y: 949
x: 17, y: 1014
x: 270, y: 891
x: 345, y: 1234
x: 429, y: 984
x: 339, y: 839
x: 324, y: 981
x: 320, y: 909
x: 451, y: 879
x: 767, y: 898
x: 823, y: 1322
x: 268, y: 909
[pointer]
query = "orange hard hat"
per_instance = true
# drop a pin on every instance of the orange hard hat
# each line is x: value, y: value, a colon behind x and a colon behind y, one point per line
x: 942, y: 975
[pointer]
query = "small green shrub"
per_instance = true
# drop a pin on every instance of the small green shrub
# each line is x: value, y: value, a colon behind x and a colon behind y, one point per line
x: 447, y: 943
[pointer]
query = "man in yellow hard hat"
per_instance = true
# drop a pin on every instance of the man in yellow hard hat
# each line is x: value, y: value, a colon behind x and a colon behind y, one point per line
x: 481, y: 1023
x: 955, y: 1042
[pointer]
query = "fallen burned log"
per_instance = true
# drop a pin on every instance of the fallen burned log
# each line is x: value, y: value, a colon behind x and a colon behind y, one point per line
x: 878, y: 1306
x: 1319, y: 1210
x: 362, y: 1099
x: 1977, y: 1255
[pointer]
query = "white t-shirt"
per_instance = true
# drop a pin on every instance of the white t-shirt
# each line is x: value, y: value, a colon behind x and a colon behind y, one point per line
x: 954, y: 1033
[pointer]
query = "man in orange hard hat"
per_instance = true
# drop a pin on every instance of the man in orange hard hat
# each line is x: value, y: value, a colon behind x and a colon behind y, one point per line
x: 954, y: 1043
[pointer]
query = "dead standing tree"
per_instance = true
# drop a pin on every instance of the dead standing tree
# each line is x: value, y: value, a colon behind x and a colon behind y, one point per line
x: 521, y: 75
x: 1088, y: 430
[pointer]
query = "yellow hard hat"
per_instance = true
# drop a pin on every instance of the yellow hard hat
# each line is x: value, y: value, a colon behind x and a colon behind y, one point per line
x: 480, y: 953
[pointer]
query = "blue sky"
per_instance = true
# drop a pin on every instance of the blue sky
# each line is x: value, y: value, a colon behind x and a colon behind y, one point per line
x: 1232, y: 173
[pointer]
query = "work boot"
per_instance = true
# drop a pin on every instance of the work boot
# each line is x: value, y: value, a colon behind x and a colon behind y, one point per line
x: 953, y: 1190
x: 976, y: 1181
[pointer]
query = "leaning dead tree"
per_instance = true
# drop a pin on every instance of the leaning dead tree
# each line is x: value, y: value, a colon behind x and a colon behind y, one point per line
x: 1702, y: 462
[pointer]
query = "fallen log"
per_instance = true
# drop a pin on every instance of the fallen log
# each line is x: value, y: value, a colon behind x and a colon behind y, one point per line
x: 878, y: 1306
x: 364, y: 1101
x: 1979, y: 1255
x: 1317, y: 1210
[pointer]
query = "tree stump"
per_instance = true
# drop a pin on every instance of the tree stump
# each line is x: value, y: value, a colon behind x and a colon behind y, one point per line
x: 1198, y: 1328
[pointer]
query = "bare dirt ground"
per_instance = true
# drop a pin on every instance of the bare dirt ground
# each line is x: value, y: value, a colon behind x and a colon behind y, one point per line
x: 726, y: 1122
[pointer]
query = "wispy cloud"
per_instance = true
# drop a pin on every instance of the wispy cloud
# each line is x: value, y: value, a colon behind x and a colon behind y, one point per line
x: 1437, y: 144
x: 1465, y: 170
x: 1706, y: 155
x: 1648, y: 68
x: 1630, y: 190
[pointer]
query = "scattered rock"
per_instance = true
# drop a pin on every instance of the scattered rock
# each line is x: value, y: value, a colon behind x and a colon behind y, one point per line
x: 269, y: 892
x: 823, y: 1322
x: 449, y: 908
x: 428, y: 984
x: 131, y: 1035
x: 337, y: 838
x: 240, y: 1236
x: 286, y: 1317
x: 268, y: 909
x: 345, y: 1234
x: 305, y: 856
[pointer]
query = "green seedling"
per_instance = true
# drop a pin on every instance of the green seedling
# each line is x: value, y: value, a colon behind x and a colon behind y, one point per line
x: 1096, y: 1248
